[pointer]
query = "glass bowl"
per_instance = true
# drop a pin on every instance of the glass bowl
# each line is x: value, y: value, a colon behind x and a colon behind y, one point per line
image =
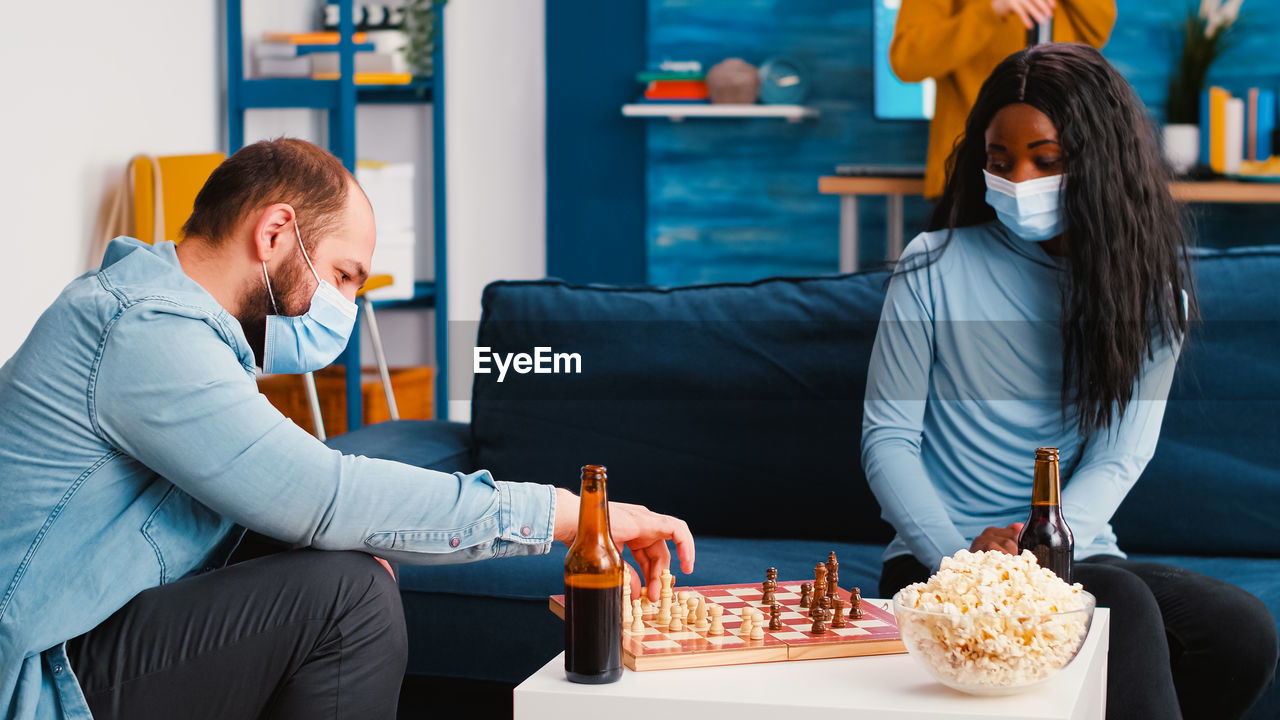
x: 984, y: 652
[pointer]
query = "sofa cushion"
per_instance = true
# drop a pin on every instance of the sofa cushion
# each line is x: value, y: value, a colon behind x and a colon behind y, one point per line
x: 435, y: 444
x: 1213, y: 486
x: 738, y: 406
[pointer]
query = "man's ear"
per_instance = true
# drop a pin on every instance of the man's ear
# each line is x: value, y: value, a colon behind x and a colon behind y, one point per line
x: 273, y: 221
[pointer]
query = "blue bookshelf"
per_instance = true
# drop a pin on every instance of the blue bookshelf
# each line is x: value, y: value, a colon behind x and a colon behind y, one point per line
x: 339, y: 98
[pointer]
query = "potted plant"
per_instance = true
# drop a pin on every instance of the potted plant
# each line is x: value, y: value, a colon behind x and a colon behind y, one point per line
x: 1203, y: 38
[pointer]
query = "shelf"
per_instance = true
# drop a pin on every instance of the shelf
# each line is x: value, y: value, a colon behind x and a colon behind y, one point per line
x: 323, y: 94
x: 677, y: 112
x: 424, y: 296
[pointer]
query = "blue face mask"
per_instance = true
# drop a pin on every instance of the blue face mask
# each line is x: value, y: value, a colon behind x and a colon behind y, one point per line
x: 1031, y: 209
x: 310, y: 341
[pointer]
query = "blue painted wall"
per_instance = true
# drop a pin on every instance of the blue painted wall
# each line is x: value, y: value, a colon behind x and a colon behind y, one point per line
x: 737, y: 199
x: 595, y: 157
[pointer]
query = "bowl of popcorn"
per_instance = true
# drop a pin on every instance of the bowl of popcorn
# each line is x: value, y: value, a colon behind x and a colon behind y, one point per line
x: 991, y: 623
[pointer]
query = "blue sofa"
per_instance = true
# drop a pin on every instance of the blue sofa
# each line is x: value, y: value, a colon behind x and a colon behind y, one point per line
x: 739, y: 407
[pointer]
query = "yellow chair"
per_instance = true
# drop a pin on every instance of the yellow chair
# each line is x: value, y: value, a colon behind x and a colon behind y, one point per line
x: 161, y: 208
x: 163, y: 191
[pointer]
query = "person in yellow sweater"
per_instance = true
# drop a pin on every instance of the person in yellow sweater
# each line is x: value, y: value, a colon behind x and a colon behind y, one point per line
x: 959, y: 42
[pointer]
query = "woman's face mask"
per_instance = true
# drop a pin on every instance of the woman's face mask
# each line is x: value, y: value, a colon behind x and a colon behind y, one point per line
x: 1031, y: 209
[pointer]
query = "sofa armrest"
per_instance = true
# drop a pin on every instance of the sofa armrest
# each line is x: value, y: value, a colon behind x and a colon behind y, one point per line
x: 435, y: 444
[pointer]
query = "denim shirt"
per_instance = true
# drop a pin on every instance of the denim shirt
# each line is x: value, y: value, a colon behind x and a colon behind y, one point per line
x: 135, y: 446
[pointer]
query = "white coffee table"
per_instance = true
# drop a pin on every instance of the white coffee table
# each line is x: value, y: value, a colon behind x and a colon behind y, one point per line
x: 885, y: 686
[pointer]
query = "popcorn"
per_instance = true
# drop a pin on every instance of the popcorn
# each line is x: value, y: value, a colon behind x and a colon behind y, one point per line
x: 994, y: 621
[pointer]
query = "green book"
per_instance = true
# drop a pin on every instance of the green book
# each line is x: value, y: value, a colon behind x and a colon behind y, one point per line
x: 658, y: 76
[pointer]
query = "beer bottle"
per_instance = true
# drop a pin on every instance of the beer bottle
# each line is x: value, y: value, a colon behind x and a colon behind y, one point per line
x: 1046, y: 533
x: 593, y: 573
x: 1040, y: 32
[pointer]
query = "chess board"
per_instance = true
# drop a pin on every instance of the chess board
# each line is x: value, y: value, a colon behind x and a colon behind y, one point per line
x: 657, y: 648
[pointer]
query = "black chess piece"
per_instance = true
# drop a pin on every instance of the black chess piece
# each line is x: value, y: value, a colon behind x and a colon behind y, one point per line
x: 855, y: 604
x: 775, y: 617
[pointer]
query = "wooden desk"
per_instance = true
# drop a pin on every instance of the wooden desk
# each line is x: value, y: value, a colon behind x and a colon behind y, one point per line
x: 849, y: 188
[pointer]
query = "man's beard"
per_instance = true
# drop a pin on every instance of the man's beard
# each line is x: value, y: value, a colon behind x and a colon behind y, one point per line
x: 255, y: 304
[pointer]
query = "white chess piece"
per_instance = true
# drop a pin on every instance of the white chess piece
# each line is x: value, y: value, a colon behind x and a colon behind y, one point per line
x: 757, y: 626
x: 626, y: 605
x: 744, y: 631
x: 676, y: 623
x: 637, y: 618
x: 717, y: 622
x: 701, y: 615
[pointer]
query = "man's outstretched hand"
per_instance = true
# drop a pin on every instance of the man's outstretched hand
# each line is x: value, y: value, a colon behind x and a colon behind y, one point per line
x: 636, y: 527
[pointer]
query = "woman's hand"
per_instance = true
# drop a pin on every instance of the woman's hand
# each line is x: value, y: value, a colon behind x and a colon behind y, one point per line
x: 1004, y: 539
x: 1029, y: 11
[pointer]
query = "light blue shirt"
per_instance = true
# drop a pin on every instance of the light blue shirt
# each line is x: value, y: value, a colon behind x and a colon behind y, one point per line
x: 134, y: 445
x: 965, y: 383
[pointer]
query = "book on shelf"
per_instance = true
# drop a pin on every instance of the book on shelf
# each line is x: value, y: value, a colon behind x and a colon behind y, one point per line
x: 1234, y: 130
x: 365, y: 62
x: 1260, y: 124
x: 649, y: 76
x: 676, y: 90
x: 310, y: 38
x: 292, y: 50
x: 370, y: 78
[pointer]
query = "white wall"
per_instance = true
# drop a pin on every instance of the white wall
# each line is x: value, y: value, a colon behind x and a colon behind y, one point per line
x: 495, y: 120
x: 117, y: 78
x: 134, y: 76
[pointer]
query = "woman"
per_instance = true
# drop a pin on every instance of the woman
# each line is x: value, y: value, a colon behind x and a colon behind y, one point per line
x: 958, y: 42
x: 1046, y: 307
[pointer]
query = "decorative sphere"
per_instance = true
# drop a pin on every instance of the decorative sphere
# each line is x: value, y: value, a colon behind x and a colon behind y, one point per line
x: 733, y: 81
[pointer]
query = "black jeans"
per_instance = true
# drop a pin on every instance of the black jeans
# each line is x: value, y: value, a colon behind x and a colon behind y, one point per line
x: 1183, y: 645
x: 300, y: 634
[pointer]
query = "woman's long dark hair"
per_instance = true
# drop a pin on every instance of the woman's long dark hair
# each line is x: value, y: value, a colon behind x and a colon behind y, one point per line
x: 1124, y: 234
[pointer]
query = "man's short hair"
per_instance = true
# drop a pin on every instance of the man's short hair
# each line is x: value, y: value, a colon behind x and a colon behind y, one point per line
x: 284, y: 170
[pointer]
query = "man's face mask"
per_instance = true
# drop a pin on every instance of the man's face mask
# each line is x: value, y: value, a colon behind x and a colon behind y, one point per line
x: 312, y: 340
x: 1031, y: 209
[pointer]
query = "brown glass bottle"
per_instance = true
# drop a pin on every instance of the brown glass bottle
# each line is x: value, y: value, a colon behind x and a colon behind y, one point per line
x: 593, y: 590
x: 1046, y: 533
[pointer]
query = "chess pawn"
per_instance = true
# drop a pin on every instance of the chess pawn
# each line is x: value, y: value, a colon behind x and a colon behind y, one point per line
x: 744, y: 631
x: 805, y: 589
x: 775, y: 617
x: 770, y: 590
x: 855, y: 604
x: 837, y: 612
x: 691, y: 613
x: 646, y: 605
x: 637, y: 618
x: 757, y: 625
x: 819, y: 621
x: 701, y: 616
x: 717, y: 622
x: 676, y: 623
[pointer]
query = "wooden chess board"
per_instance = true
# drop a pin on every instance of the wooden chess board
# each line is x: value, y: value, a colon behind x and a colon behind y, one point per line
x: 656, y: 648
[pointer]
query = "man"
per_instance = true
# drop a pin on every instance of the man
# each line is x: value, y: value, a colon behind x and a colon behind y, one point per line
x: 134, y: 447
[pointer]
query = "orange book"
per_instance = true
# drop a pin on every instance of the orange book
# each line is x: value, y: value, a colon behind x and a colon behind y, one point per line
x: 1218, y: 98
x: 676, y: 90
x: 370, y: 78
x: 311, y: 38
